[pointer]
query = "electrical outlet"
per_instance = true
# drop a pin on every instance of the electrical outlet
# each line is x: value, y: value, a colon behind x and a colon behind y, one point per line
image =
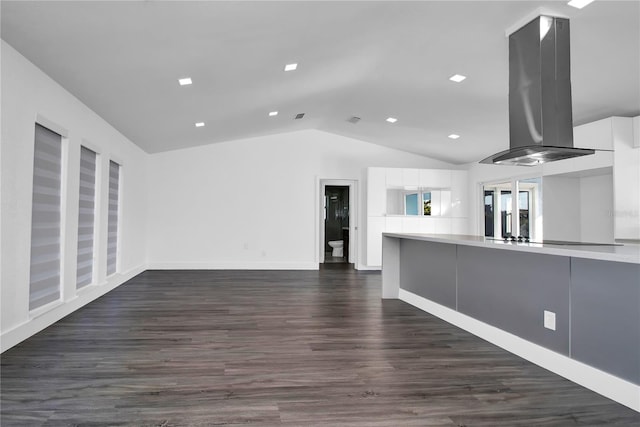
x: 550, y: 320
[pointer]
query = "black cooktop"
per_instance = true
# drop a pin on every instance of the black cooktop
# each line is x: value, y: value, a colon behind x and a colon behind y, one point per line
x: 554, y: 242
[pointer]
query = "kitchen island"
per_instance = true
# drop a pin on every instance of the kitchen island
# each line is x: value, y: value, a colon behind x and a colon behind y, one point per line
x: 573, y: 309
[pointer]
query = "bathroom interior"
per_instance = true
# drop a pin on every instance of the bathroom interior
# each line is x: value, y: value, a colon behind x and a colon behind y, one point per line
x: 336, y: 224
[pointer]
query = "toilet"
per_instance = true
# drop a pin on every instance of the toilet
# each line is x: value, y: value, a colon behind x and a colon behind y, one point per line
x: 337, y: 246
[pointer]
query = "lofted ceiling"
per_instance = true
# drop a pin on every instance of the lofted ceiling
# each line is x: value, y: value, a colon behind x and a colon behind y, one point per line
x: 372, y: 60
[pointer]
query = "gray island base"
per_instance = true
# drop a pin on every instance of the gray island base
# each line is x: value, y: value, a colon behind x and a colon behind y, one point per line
x: 574, y: 310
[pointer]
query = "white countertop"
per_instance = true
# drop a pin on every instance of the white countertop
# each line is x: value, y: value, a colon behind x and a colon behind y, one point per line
x: 627, y: 252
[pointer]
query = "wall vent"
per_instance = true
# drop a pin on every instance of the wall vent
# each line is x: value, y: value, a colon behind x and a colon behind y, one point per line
x: 299, y: 116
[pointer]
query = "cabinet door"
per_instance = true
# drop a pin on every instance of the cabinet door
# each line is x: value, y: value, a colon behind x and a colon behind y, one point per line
x: 376, y: 191
x: 435, y: 178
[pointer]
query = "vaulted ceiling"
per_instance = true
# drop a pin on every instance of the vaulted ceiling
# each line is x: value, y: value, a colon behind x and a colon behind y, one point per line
x: 372, y: 60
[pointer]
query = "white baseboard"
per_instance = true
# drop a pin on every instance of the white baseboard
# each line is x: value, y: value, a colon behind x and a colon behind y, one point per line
x: 368, y: 267
x: 41, y: 320
x: 233, y: 265
x: 610, y: 386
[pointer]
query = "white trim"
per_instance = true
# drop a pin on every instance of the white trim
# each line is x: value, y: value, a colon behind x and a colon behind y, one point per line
x: 44, y: 309
x: 66, y: 221
x: 115, y: 158
x: 52, y: 126
x: 60, y: 309
x: 368, y: 267
x: 610, y: 386
x: 90, y: 145
x: 233, y: 265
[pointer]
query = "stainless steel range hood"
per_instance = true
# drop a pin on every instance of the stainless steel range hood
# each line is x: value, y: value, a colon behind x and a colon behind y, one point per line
x: 540, y: 119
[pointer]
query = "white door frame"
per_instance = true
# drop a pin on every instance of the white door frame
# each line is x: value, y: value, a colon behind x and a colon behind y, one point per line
x: 353, y: 217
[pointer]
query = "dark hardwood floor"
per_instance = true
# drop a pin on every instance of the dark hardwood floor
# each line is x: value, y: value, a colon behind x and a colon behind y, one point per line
x: 281, y: 348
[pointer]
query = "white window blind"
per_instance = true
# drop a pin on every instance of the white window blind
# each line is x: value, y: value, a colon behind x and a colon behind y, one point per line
x: 44, y: 277
x: 112, y: 239
x: 86, y: 217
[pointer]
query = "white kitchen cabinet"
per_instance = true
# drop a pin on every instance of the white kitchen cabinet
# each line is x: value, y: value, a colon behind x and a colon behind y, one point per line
x: 435, y: 178
x: 394, y: 178
x: 411, y: 177
x: 375, y: 227
x: 376, y: 191
x: 596, y: 135
x: 386, y: 188
x: 626, y: 180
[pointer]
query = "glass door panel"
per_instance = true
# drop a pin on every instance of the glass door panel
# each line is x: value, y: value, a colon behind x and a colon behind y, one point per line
x: 523, y: 214
x: 505, y: 213
x: 530, y: 209
x: 498, y: 205
x: 489, y: 202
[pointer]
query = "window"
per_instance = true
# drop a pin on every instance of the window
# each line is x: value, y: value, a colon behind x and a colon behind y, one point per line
x: 44, y: 274
x: 506, y: 218
x: 86, y: 217
x: 489, y: 202
x: 426, y: 203
x: 414, y: 201
x: 411, y: 204
x: 419, y: 201
x: 530, y: 208
x: 500, y: 205
x: 523, y: 211
x: 112, y: 237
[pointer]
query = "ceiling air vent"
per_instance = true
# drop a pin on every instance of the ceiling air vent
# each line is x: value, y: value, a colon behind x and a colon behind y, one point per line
x: 299, y: 116
x: 353, y: 120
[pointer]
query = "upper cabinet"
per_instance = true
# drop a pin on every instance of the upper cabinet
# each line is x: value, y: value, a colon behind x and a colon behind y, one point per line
x: 414, y: 201
x: 596, y: 135
x: 416, y: 192
x: 626, y: 177
x: 621, y: 137
x: 376, y: 199
x: 617, y: 141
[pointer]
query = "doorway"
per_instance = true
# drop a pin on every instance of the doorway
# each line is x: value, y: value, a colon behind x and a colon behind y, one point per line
x: 336, y: 224
x: 500, y: 206
x: 337, y: 229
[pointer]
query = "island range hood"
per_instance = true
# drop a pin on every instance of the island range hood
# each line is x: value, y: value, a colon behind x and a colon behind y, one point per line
x: 540, y: 118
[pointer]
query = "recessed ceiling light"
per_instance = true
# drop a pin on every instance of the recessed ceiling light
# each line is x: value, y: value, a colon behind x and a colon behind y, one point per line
x: 579, y: 4
x: 457, y: 78
x: 199, y: 124
x: 185, y: 81
x: 454, y: 136
x: 290, y: 67
x: 273, y: 113
x: 392, y: 119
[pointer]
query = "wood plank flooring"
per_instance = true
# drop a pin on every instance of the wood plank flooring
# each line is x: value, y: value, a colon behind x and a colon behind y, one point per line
x: 277, y: 348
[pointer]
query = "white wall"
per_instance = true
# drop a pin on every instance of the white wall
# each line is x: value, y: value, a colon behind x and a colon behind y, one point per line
x: 28, y: 95
x: 254, y: 203
x: 561, y: 208
x: 596, y: 208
